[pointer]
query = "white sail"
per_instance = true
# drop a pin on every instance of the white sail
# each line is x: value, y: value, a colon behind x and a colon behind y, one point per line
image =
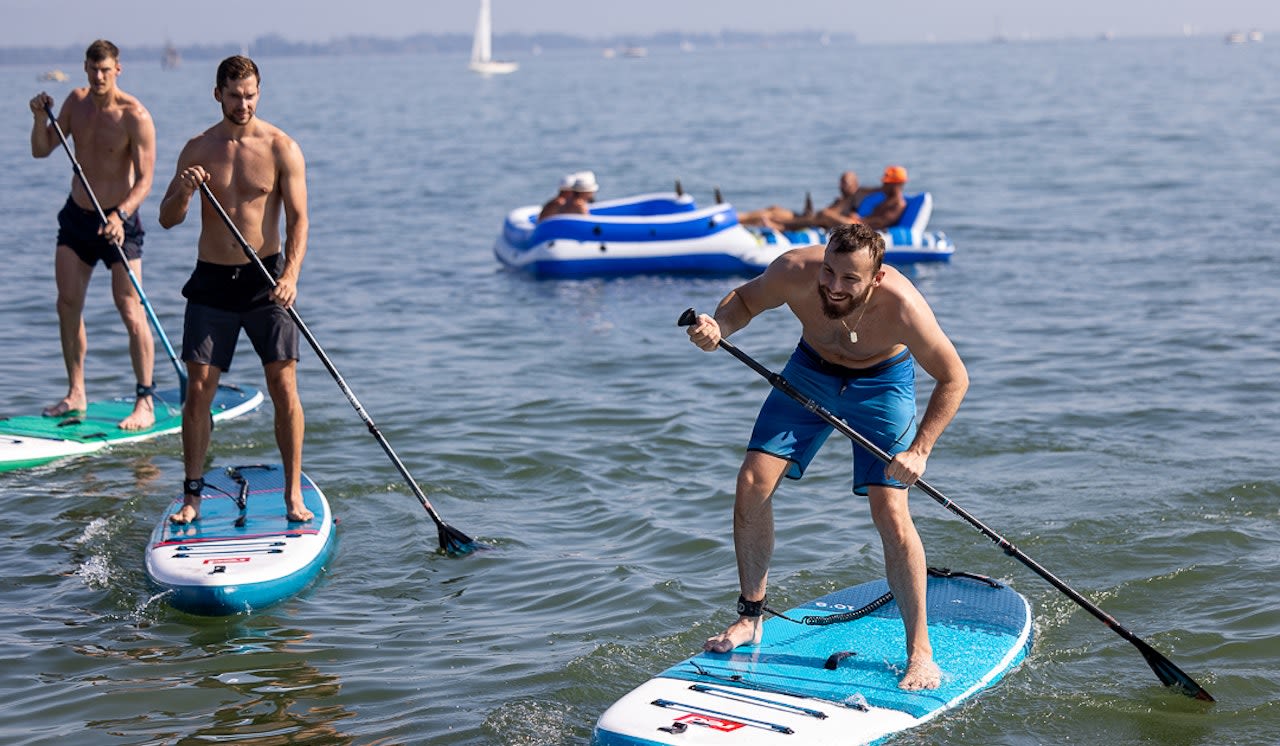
x: 482, y: 47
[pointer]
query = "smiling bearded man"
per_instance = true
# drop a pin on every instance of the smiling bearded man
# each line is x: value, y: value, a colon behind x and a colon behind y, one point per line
x: 865, y: 326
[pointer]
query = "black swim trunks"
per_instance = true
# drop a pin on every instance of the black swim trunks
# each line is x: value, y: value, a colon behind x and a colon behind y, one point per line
x: 222, y: 300
x: 78, y: 230
x: 233, y: 287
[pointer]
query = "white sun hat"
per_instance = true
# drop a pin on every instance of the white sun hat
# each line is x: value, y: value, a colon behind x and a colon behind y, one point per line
x: 585, y: 181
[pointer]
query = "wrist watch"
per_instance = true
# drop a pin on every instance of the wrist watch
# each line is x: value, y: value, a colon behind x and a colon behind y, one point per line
x: 124, y: 214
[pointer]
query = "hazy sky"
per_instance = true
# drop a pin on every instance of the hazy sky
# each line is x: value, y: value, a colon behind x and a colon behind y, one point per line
x: 126, y: 22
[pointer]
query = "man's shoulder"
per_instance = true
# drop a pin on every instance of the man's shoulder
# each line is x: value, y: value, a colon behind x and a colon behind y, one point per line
x: 803, y: 258
x: 77, y: 101
x: 132, y: 108
x: 280, y: 142
x: 132, y: 104
x: 270, y: 132
x: 901, y: 290
x: 206, y: 136
x: 203, y: 141
x: 796, y: 266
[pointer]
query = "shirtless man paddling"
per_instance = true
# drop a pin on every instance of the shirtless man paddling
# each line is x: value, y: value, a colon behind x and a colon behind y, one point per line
x: 865, y: 326
x: 257, y: 173
x: 115, y: 144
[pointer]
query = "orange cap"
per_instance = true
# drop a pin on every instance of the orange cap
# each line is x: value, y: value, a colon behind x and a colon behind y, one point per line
x: 895, y: 175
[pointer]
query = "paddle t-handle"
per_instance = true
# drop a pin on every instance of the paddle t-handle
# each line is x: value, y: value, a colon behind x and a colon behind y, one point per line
x: 688, y: 318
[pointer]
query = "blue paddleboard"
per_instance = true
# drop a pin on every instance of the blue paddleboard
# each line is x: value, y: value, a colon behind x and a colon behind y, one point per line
x: 834, y: 684
x: 235, y: 559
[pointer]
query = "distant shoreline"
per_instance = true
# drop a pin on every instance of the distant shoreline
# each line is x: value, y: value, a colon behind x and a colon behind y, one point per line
x: 520, y: 46
x: 274, y: 45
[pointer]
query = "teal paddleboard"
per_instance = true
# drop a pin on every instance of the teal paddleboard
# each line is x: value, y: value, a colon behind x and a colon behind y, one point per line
x: 812, y: 684
x: 32, y: 440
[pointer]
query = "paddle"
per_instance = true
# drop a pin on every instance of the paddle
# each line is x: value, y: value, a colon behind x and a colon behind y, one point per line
x: 452, y: 541
x: 1165, y: 670
x: 102, y: 216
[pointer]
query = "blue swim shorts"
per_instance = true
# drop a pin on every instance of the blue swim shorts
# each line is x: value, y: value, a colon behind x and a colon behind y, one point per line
x: 878, y: 402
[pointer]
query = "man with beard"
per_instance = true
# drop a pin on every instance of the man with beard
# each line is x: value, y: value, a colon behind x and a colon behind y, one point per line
x: 256, y: 172
x: 115, y: 144
x: 864, y: 328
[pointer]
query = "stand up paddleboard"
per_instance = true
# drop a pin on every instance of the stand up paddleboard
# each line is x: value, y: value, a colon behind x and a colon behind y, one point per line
x: 242, y: 553
x: 33, y: 440
x: 808, y: 684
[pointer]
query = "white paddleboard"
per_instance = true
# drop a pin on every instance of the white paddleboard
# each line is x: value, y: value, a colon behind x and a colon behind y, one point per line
x: 232, y: 559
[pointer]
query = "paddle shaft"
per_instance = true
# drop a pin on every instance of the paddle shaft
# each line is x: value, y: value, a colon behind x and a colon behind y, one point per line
x: 137, y: 285
x: 1158, y: 662
x: 328, y: 364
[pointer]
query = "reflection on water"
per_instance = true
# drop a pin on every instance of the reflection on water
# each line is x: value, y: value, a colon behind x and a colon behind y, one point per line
x: 254, y: 684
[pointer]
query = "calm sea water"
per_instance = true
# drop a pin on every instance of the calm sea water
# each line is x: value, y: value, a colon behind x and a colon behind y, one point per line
x: 1113, y: 294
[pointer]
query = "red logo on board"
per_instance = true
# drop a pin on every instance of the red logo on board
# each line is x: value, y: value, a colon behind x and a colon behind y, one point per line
x: 227, y: 561
x: 708, y: 721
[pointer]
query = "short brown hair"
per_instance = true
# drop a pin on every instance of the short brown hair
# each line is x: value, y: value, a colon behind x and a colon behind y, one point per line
x: 846, y: 239
x: 102, y: 50
x: 237, y: 67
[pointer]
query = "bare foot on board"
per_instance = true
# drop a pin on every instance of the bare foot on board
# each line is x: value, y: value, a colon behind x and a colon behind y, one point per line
x: 921, y: 675
x: 296, y: 511
x: 188, y: 514
x: 64, y: 408
x: 143, y: 416
x: 745, y: 631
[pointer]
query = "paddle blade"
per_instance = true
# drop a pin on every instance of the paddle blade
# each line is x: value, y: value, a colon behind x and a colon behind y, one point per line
x: 1169, y: 674
x: 455, y: 543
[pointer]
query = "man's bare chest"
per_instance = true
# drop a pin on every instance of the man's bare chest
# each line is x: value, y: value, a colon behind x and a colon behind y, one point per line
x: 243, y: 171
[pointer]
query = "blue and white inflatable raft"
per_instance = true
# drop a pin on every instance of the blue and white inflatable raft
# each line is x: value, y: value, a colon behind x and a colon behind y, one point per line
x: 657, y: 233
x: 667, y: 233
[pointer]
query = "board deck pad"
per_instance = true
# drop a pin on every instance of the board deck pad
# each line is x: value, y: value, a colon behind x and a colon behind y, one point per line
x: 833, y: 684
x: 32, y: 440
x: 230, y: 561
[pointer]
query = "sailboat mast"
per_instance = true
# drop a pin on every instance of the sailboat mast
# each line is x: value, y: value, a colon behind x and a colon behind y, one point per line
x: 482, y: 44
x: 482, y: 47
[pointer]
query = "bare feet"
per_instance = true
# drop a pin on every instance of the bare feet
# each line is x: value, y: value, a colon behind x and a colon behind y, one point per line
x: 922, y: 674
x: 143, y: 416
x: 745, y: 631
x: 296, y: 511
x: 189, y: 513
x: 64, y: 408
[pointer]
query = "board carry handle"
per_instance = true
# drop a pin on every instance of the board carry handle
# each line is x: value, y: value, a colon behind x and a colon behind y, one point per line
x: 1168, y: 673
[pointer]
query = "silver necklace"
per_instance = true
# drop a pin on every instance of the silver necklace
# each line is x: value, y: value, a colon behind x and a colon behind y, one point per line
x: 853, y: 333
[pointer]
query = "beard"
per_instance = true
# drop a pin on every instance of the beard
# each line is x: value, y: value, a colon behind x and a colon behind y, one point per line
x: 237, y: 117
x: 833, y: 310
